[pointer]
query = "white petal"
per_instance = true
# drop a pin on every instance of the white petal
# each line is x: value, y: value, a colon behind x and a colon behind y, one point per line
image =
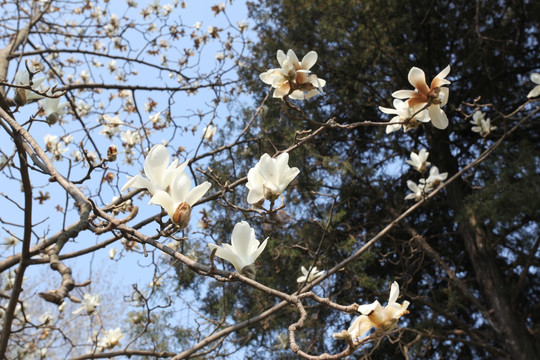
x: 444, y: 72
x: 166, y: 202
x: 281, y: 57
x: 367, y: 309
x: 155, y: 163
x: 291, y: 56
x: 394, y: 293
x: 534, y: 92
x: 403, y: 94
x: 197, y: 192
x: 438, y: 117
x: 137, y: 182
x: 309, y: 60
x: 417, y: 78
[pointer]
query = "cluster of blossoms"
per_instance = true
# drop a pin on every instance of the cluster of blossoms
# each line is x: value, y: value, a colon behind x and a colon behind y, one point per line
x: 52, y: 106
x: 423, y: 104
x: 384, y: 319
x: 169, y: 185
x: 419, y: 163
x: 293, y: 78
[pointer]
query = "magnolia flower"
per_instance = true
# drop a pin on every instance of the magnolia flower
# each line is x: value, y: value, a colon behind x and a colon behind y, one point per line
x: 111, y: 126
x: 269, y: 178
x: 382, y: 318
x: 313, y: 274
x: 434, y: 179
x: 209, y: 132
x: 53, y: 108
x: 481, y: 125
x: 111, y: 339
x: 112, y: 253
x: 417, y: 191
x: 130, y: 138
x: 160, y: 176
x: 419, y: 161
x: 179, y: 200
x: 434, y: 96
x: 22, y: 96
x: 294, y: 75
x: 89, y: 304
x: 244, y: 250
x: 54, y: 146
x: 535, y: 78
x: 404, y: 116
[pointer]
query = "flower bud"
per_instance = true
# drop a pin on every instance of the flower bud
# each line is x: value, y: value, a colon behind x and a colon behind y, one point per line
x: 250, y: 271
x: 52, y: 118
x: 112, y: 152
x: 20, y: 97
x: 182, y: 215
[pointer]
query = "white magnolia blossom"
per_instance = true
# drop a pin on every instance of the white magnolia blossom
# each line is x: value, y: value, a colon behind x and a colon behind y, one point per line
x: 434, y: 96
x: 269, y: 178
x: 374, y: 315
x: 535, y: 78
x: 178, y: 201
x: 419, y: 161
x: 54, y: 146
x: 89, y: 304
x: 209, y: 132
x: 22, y: 96
x: 434, y: 180
x: 159, y: 175
x: 294, y: 74
x: 243, y: 250
x: 130, y: 137
x: 481, y: 125
x: 112, y: 253
x: 404, y: 116
x: 53, y: 108
x: 313, y: 274
x: 10, y: 241
x: 417, y: 191
x: 111, y: 126
x: 110, y: 339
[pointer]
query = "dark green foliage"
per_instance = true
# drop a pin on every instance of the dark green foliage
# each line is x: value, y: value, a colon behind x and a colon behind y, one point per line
x: 352, y: 183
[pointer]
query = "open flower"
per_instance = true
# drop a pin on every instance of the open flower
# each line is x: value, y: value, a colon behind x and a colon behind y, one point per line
x: 481, y: 125
x: 89, y: 304
x: 417, y: 191
x: 54, y: 146
x: 419, y: 161
x: 159, y: 174
x: 404, y: 116
x: 22, y: 96
x: 434, y: 96
x: 209, y: 132
x: 434, y: 180
x: 179, y: 200
x: 53, y: 108
x: 294, y: 75
x: 313, y: 274
x: 535, y: 78
x: 269, y: 178
x: 243, y: 251
x: 110, y: 339
x: 374, y: 315
x: 111, y: 126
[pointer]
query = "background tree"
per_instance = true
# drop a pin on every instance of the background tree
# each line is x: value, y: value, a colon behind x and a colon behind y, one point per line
x: 137, y: 75
x: 466, y: 260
